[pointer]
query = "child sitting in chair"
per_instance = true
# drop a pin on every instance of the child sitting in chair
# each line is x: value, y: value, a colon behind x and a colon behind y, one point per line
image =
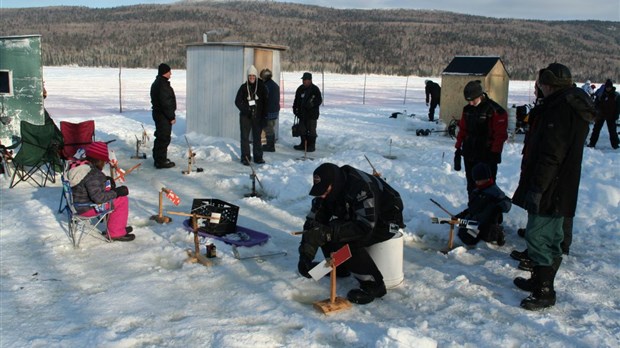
x: 486, y: 204
x: 90, y: 185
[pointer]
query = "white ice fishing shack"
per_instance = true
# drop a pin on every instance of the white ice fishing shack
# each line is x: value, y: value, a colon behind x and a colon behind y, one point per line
x: 215, y: 70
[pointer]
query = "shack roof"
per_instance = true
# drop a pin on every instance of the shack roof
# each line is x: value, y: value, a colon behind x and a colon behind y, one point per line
x: 472, y: 65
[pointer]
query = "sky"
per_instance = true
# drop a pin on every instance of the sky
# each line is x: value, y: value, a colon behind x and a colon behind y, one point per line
x: 606, y: 10
x: 145, y: 294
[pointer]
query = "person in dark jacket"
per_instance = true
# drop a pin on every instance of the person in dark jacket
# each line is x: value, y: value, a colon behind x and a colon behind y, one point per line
x: 483, y: 129
x: 273, y: 109
x: 164, y: 103
x: 550, y: 175
x: 306, y: 105
x: 608, y: 106
x: 486, y: 204
x: 351, y: 207
x: 90, y: 186
x: 433, y: 94
x: 251, y: 100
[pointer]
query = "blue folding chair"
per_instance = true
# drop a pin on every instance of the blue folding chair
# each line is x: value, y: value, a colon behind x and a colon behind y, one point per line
x: 80, y: 225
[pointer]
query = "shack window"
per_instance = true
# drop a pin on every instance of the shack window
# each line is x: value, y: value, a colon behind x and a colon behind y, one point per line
x: 6, y: 82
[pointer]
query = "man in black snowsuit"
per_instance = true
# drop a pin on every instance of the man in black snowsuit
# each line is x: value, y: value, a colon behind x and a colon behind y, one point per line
x: 351, y: 207
x: 550, y: 175
x: 306, y: 105
x: 433, y: 93
x: 608, y: 105
x: 164, y: 106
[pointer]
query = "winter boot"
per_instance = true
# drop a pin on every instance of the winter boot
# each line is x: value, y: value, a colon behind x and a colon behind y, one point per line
x: 271, y: 144
x: 519, y: 255
x: 543, y: 295
x: 302, y: 145
x: 367, y: 292
x: 311, y: 144
x: 526, y: 265
x: 525, y: 284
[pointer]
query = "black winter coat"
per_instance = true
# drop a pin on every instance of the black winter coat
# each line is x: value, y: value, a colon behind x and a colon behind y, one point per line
x: 252, y: 92
x: 307, y: 102
x: 162, y: 98
x: 553, y: 152
x: 364, y: 212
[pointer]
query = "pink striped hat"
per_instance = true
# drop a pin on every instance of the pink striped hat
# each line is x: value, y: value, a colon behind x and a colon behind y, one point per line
x: 98, y: 150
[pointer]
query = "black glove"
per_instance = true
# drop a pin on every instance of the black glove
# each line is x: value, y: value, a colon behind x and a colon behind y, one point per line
x: 532, y: 202
x: 495, y: 157
x: 318, y: 235
x: 304, y: 265
x: 457, y: 160
x: 121, y: 191
x: 462, y: 214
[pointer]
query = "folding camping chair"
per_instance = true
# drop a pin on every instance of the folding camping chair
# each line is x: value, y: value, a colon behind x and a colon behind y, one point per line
x: 80, y: 225
x: 76, y: 135
x: 38, y: 153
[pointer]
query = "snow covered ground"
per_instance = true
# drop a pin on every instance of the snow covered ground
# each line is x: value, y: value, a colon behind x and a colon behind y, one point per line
x: 144, y: 294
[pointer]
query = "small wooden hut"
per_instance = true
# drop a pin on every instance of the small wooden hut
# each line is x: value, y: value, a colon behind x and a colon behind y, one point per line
x: 490, y: 70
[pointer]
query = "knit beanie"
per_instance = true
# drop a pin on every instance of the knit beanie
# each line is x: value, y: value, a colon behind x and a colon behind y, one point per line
x: 98, y: 150
x: 252, y: 71
x: 472, y: 90
x: 609, y: 83
x: 556, y: 75
x: 163, y: 68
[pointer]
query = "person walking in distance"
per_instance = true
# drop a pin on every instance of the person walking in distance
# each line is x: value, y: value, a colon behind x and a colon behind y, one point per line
x: 608, y: 106
x: 433, y: 94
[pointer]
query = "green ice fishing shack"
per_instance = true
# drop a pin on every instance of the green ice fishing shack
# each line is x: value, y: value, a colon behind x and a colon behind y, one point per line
x: 21, y: 83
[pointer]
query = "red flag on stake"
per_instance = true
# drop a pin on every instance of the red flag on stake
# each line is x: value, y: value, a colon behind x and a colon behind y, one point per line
x: 342, y: 255
x: 176, y: 200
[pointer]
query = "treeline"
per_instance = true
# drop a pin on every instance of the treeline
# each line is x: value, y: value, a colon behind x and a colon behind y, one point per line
x: 392, y: 42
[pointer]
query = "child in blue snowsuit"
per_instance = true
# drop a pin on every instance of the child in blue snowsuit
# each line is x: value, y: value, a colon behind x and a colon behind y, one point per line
x: 486, y: 204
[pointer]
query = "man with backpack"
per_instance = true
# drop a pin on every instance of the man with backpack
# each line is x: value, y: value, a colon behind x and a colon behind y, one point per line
x: 356, y: 208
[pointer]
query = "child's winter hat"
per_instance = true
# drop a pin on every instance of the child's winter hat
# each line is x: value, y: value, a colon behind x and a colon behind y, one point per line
x: 481, y: 172
x: 98, y: 150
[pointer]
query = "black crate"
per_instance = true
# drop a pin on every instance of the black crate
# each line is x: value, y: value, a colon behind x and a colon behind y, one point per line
x: 228, y: 219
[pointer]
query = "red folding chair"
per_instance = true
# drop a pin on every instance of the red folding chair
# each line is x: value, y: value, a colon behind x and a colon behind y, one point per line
x: 76, y: 135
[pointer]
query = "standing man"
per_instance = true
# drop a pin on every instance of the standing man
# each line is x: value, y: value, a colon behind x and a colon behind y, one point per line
x: 433, y: 93
x: 608, y: 106
x: 351, y: 207
x: 273, y: 109
x: 483, y: 129
x: 164, y: 106
x: 550, y: 176
x: 306, y: 106
x: 251, y: 100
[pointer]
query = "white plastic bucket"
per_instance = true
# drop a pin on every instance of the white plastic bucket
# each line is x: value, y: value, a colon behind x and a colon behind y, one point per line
x: 388, y: 257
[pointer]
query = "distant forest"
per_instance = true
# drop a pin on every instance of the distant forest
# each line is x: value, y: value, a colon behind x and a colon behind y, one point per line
x: 390, y: 42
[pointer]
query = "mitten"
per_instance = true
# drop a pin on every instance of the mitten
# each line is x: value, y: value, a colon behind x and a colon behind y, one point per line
x: 457, y: 160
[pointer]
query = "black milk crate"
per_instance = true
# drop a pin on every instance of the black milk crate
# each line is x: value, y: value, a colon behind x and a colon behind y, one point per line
x: 228, y: 218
